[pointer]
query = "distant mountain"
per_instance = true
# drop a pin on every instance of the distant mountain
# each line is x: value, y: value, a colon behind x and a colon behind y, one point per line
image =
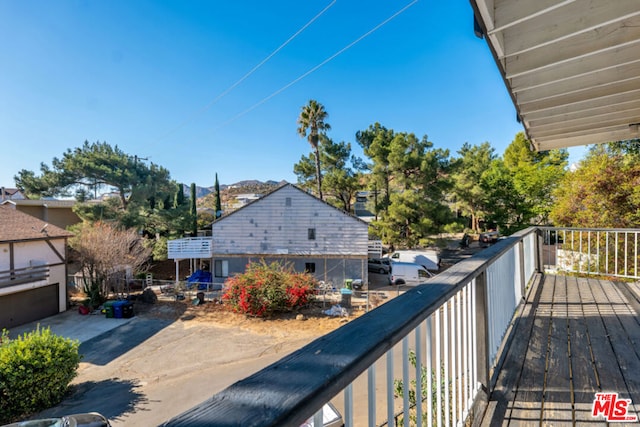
x: 251, y: 183
x: 200, y: 191
x: 228, y: 192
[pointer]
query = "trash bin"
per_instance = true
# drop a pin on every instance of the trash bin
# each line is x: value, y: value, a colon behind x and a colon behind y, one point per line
x: 127, y: 310
x: 108, y: 309
x: 200, y: 296
x: 346, y: 297
x: 122, y: 309
x: 348, y: 283
x: 117, y: 309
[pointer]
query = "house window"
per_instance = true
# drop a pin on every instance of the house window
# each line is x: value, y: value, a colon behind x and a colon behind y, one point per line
x: 310, y: 267
x: 311, y: 234
x: 221, y: 268
x: 287, y: 201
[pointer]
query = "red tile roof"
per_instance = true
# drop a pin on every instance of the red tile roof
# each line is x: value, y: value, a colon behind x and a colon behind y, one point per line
x: 16, y: 225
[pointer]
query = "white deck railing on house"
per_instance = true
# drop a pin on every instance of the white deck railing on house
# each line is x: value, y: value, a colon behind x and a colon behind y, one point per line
x: 20, y: 276
x: 595, y: 251
x: 190, y: 247
x: 374, y: 249
x: 202, y: 247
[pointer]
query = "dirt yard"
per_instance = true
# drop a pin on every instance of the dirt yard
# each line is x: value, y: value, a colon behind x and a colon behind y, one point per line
x: 303, y: 323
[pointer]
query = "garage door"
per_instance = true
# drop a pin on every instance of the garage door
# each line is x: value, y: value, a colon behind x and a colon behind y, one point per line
x: 27, y: 306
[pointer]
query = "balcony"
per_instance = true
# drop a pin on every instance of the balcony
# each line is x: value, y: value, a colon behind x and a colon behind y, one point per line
x: 21, y: 276
x: 202, y: 247
x: 526, y: 332
x: 190, y: 247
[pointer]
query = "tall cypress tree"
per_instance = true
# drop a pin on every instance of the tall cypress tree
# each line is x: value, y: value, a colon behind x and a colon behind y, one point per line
x: 179, y: 196
x: 217, y: 198
x: 194, y: 212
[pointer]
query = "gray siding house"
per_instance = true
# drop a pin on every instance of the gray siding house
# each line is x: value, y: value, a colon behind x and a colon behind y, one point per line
x: 288, y: 225
x: 293, y: 226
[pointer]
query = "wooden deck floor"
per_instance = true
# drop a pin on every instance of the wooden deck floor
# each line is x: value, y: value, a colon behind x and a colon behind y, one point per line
x: 575, y: 337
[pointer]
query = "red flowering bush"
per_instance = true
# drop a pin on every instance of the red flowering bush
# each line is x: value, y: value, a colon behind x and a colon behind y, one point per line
x: 264, y: 289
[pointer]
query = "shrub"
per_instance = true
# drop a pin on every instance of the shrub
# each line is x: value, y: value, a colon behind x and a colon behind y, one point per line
x: 435, y: 389
x: 264, y: 289
x: 35, y: 372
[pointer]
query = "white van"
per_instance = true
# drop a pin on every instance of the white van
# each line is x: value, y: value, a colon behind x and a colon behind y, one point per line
x: 408, y: 273
x: 428, y: 258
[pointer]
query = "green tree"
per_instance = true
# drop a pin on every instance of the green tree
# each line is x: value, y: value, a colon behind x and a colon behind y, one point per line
x: 630, y: 146
x: 218, y: 199
x: 193, y: 210
x: 143, y: 192
x: 341, y: 172
x: 470, y: 195
x: 94, y: 167
x: 178, y: 199
x: 311, y: 124
x: 508, y: 208
x: 419, y: 174
x: 604, y: 191
x: 535, y: 177
x: 376, y: 142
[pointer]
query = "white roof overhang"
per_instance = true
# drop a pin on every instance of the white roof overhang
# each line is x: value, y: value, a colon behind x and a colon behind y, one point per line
x: 572, y: 67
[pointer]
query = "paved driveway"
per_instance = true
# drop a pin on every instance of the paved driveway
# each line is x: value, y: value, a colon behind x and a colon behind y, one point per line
x: 148, y: 370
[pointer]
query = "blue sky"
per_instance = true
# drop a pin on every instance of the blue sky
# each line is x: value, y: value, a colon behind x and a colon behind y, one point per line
x: 142, y: 75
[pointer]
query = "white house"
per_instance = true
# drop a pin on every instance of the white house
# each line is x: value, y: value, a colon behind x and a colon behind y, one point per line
x: 33, y: 268
x: 287, y: 225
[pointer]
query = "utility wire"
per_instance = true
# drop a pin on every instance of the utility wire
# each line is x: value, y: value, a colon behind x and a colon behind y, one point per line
x: 243, y: 78
x: 288, y: 85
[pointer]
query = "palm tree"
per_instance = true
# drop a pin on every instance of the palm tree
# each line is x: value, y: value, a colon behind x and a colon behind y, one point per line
x: 312, y: 118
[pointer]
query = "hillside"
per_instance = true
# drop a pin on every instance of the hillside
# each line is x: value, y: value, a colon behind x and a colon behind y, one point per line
x: 228, y: 192
x: 246, y: 186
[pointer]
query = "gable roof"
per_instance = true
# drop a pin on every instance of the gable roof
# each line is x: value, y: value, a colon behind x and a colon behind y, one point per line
x: 289, y: 185
x: 16, y: 225
x: 48, y: 203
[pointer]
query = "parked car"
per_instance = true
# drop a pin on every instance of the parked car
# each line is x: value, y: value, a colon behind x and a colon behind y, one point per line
x: 380, y: 266
x: 410, y: 274
x: 489, y: 237
x: 91, y: 419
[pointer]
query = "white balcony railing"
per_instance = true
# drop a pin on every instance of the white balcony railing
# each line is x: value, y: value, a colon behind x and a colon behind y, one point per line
x: 20, y: 276
x: 595, y: 251
x: 190, y: 247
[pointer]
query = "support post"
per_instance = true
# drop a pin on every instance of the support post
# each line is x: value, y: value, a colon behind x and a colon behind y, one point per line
x: 482, y: 332
x: 539, y: 251
x: 521, y: 258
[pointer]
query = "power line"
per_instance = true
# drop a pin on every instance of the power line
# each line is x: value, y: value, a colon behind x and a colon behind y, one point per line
x: 288, y: 85
x: 243, y: 78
